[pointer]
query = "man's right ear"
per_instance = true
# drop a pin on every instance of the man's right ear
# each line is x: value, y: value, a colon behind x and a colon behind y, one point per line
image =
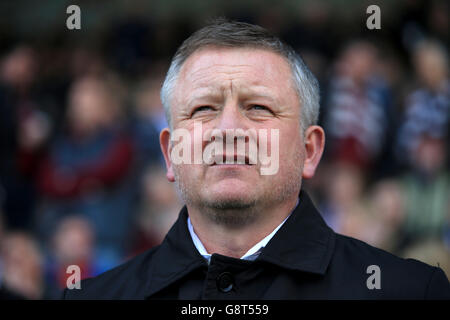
x: 166, y: 148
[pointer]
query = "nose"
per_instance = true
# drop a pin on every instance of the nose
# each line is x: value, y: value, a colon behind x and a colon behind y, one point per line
x: 232, y: 124
x: 231, y: 117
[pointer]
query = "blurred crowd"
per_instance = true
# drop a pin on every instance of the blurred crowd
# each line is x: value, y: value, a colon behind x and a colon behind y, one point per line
x: 82, y: 180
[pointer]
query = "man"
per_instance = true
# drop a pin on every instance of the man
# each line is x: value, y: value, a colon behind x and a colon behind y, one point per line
x: 245, y: 234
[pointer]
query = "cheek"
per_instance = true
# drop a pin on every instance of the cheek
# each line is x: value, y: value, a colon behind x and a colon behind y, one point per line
x: 188, y: 172
x: 197, y: 133
x: 291, y: 143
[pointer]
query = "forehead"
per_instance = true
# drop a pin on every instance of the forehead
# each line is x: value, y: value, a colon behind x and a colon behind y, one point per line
x: 251, y: 66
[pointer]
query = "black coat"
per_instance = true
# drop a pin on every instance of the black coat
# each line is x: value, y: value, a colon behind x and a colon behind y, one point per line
x: 304, y: 260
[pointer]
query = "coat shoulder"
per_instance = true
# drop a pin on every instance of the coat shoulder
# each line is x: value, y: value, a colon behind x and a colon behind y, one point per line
x: 123, y: 281
x: 400, y: 277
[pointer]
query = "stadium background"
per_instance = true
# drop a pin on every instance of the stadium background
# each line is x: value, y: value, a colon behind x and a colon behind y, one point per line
x: 81, y: 176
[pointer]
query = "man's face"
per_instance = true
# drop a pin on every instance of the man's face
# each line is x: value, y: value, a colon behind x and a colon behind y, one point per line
x: 243, y: 88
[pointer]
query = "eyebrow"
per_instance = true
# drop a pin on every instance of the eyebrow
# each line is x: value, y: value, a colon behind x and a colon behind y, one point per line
x: 216, y: 94
x: 204, y: 93
x: 254, y: 94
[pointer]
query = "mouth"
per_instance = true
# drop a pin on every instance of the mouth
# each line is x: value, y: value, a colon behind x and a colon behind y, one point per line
x: 224, y: 160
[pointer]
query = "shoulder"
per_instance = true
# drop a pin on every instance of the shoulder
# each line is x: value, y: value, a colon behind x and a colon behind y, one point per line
x: 126, y: 281
x: 399, y: 277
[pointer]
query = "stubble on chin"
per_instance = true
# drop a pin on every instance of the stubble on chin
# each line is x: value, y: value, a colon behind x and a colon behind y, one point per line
x: 231, y: 212
x: 240, y: 211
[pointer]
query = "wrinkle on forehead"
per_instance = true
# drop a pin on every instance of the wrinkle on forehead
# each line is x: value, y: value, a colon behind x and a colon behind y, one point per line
x: 223, y: 77
x: 214, y: 73
x: 234, y: 61
x: 218, y: 66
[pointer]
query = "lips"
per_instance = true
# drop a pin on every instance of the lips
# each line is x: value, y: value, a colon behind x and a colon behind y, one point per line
x: 224, y: 160
x: 221, y: 159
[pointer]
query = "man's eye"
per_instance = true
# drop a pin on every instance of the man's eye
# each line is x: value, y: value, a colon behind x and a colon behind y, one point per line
x: 259, y: 107
x: 202, y: 108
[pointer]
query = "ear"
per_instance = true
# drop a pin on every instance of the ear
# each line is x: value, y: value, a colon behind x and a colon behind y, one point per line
x: 314, y: 145
x: 166, y: 148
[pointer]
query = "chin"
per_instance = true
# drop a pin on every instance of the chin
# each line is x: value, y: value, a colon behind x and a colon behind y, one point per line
x: 233, y: 194
x: 231, y: 187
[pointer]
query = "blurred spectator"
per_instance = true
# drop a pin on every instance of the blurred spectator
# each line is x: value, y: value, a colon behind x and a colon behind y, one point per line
x: 423, y: 147
x: 86, y: 169
x: 24, y: 128
x: 344, y: 209
x: 158, y: 210
x: 427, y: 190
x: 387, y: 209
x: 73, y: 243
x: 148, y: 120
x: 427, y: 108
x: 19, y: 69
x: 22, y: 265
x: 357, y: 108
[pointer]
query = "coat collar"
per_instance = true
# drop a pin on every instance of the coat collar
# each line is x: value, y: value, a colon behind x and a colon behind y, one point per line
x: 304, y: 243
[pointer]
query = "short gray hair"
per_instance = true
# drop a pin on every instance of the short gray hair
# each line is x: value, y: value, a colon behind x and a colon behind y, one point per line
x: 232, y: 34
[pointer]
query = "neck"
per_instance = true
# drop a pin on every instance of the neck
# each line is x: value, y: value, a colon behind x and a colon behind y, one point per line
x: 235, y: 241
